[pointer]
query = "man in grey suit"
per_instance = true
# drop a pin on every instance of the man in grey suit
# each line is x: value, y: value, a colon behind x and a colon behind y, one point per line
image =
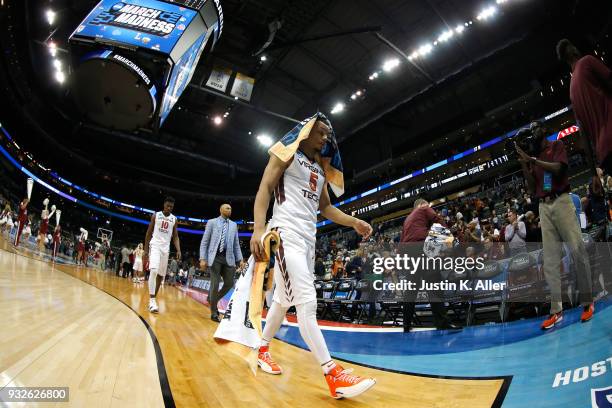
x: 220, y: 249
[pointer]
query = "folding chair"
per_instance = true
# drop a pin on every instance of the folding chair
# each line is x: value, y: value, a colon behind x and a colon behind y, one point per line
x: 342, y: 299
x: 360, y: 300
x: 323, y: 304
x: 480, y: 303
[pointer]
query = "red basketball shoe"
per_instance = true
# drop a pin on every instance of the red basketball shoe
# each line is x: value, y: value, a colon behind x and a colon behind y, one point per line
x: 343, y: 384
x: 265, y: 362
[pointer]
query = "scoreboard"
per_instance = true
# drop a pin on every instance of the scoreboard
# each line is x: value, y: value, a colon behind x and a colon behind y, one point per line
x: 134, y: 58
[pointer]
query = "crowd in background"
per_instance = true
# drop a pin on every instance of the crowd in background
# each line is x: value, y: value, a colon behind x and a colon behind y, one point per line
x: 502, y: 212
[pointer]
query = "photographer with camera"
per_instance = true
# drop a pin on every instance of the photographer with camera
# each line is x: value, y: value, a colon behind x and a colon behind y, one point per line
x: 545, y: 170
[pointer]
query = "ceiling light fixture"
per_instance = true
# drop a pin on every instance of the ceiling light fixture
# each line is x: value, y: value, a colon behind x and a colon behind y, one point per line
x: 425, y: 49
x: 487, y: 13
x: 50, y: 14
x: 445, y: 36
x: 52, y: 49
x: 264, y: 140
x: 217, y: 120
x: 339, y: 107
x: 390, y: 64
x: 60, y: 77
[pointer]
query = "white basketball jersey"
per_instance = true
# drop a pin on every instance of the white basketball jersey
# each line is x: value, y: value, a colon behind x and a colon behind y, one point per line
x: 162, y: 233
x: 297, y: 195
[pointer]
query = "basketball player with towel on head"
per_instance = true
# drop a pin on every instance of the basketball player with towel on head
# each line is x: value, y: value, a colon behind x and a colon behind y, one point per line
x: 296, y: 175
x: 162, y: 229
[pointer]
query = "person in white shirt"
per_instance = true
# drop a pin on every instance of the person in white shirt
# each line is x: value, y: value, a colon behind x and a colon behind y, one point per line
x: 516, y: 232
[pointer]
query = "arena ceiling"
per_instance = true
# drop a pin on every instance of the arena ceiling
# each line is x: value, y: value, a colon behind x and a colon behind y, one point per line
x: 323, y: 52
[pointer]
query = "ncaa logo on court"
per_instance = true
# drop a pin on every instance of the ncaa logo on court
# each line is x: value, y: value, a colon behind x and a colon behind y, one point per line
x: 117, y: 7
x: 601, y: 397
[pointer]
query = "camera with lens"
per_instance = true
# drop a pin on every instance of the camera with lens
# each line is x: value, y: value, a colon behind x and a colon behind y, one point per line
x: 528, y: 139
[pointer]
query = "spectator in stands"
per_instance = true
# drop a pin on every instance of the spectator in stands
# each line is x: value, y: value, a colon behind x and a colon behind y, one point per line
x: 579, y: 204
x: 132, y: 259
x: 495, y: 220
x: 190, y: 273
x: 337, y: 267
x: 319, y: 268
x: 125, y: 261
x: 606, y: 181
x: 489, y: 231
x: 546, y: 176
x: 173, y: 268
x: 516, y: 233
x: 458, y: 227
x: 354, y: 268
x: 591, y: 96
x: 472, y: 234
x: 415, y: 230
x: 532, y: 225
x: 597, y: 207
x: 492, y: 250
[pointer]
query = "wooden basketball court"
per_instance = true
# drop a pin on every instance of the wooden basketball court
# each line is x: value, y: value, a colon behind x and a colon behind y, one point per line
x: 91, y: 331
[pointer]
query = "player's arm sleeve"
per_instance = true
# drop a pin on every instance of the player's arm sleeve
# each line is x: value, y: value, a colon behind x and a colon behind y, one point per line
x: 205, y: 241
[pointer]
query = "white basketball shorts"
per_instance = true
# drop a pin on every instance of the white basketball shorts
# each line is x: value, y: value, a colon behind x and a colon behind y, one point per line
x: 158, y: 260
x: 294, y: 270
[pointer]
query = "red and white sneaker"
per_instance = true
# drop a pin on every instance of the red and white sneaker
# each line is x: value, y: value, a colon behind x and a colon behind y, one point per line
x: 343, y: 384
x: 587, y: 313
x: 552, y: 320
x: 265, y: 362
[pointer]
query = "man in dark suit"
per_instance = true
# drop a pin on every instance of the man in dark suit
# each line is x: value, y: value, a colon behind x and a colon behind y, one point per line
x: 220, y: 249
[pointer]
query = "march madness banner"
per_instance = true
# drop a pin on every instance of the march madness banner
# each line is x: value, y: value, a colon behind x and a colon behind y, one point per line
x: 150, y: 24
